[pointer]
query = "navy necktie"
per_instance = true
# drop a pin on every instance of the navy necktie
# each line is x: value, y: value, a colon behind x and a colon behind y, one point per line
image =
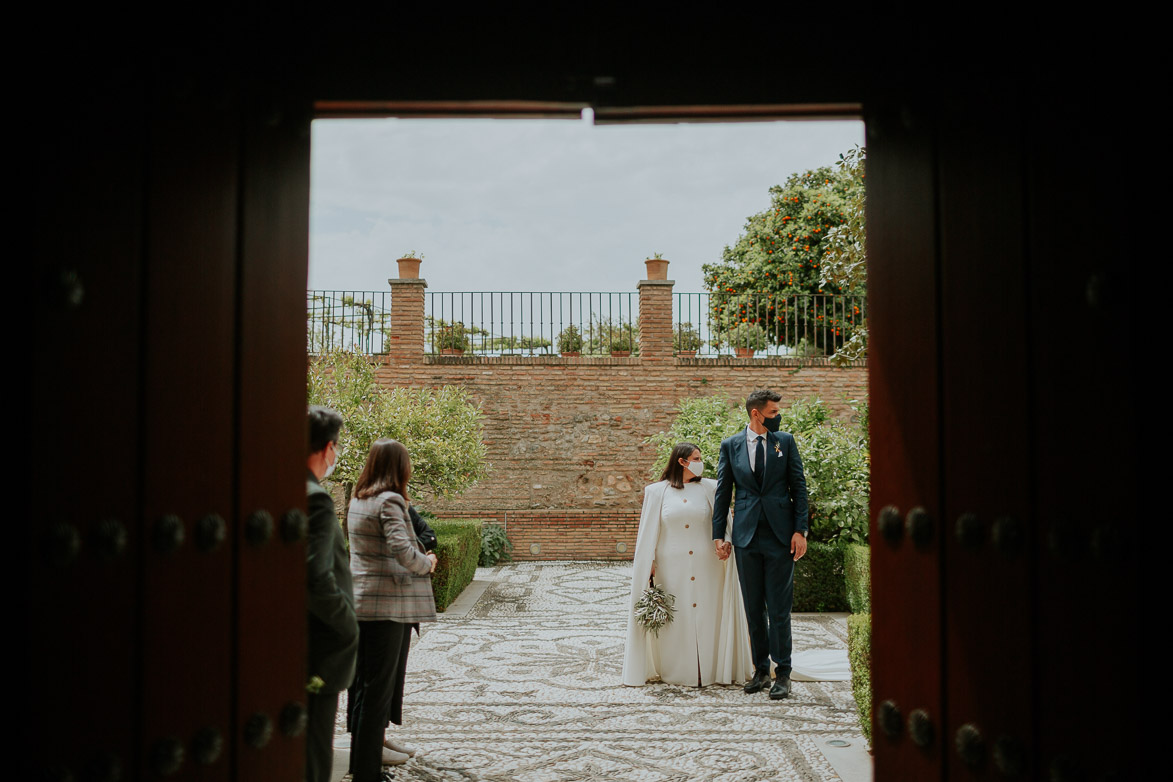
x: 759, y: 461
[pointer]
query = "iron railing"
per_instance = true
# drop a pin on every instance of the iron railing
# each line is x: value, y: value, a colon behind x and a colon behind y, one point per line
x: 501, y: 323
x: 796, y: 326
x: 505, y: 323
x: 358, y: 321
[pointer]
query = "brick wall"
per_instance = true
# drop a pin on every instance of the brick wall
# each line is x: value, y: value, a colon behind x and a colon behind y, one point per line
x: 565, y: 436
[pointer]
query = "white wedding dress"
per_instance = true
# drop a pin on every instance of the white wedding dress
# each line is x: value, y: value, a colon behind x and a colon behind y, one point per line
x: 708, y: 639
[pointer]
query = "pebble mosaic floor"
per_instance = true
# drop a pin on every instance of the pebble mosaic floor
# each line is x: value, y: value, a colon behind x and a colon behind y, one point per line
x: 526, y: 686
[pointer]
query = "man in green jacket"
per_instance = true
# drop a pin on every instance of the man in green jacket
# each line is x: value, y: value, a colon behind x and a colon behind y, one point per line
x: 333, y: 627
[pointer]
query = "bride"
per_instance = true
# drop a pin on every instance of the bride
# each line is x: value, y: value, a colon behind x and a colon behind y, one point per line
x: 708, y: 639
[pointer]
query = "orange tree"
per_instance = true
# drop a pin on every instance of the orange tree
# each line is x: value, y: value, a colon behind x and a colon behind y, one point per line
x: 773, y: 274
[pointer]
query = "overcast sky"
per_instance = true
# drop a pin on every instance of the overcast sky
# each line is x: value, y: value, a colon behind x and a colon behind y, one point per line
x: 544, y: 205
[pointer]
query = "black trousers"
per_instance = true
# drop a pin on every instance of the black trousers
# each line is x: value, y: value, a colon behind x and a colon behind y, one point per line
x: 765, y: 569
x: 376, y: 676
x: 319, y: 738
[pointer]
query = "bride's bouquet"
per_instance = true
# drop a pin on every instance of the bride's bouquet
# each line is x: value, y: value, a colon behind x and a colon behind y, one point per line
x: 655, y: 608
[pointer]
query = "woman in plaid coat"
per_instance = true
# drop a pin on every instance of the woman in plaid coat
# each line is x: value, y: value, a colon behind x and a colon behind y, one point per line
x: 392, y: 591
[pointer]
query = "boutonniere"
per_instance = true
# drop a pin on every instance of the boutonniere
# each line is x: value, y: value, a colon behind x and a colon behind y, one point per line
x: 777, y: 449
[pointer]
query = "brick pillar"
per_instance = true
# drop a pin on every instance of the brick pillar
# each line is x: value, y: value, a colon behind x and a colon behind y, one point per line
x: 406, y: 343
x: 655, y: 318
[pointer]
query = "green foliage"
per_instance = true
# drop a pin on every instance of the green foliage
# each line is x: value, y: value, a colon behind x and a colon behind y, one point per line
x: 845, y: 255
x: 495, y: 545
x: 441, y: 428
x: 603, y: 334
x: 687, y: 337
x: 859, y: 654
x: 450, y: 336
x: 745, y: 335
x: 458, y: 548
x: 781, y: 253
x: 570, y: 340
x: 706, y: 421
x: 857, y: 567
x: 837, y: 464
x: 622, y: 342
x: 818, y: 579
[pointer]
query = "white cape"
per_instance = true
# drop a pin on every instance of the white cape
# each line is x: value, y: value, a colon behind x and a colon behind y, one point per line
x: 642, y: 653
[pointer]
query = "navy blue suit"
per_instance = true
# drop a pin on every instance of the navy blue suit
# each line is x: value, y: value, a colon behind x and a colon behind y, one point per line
x: 765, y: 518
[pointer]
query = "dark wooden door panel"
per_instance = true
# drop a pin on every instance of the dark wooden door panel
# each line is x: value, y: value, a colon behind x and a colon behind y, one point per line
x: 906, y: 449
x: 1087, y: 285
x: 188, y: 413
x: 271, y: 629
x: 984, y: 337
x: 81, y: 569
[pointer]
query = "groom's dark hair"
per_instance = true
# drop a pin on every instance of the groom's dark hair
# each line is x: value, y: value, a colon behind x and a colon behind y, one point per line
x: 758, y: 399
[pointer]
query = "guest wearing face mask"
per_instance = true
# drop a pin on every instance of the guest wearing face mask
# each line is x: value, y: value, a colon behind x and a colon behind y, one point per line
x: 707, y: 641
x: 333, y: 625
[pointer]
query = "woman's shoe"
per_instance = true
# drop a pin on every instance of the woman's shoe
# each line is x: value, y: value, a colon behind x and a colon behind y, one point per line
x: 393, y: 758
x: 398, y: 747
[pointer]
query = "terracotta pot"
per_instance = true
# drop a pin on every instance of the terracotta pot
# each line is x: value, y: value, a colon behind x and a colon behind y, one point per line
x: 657, y: 268
x: 571, y: 353
x: 451, y: 352
x: 620, y: 353
x: 686, y: 353
x: 745, y: 352
x: 409, y: 268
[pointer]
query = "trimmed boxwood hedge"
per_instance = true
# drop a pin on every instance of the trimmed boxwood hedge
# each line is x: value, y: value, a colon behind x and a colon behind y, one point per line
x: 859, y: 653
x: 458, y: 547
x: 818, y: 579
x: 857, y: 567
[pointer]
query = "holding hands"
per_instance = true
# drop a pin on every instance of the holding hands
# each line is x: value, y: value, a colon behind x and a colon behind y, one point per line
x: 724, y: 549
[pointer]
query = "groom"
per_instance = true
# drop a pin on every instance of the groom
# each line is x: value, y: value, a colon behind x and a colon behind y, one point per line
x: 769, y: 531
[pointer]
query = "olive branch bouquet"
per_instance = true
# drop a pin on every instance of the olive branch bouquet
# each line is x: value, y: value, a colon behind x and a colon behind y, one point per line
x: 655, y: 608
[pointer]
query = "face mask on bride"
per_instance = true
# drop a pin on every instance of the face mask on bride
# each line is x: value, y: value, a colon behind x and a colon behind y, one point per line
x: 697, y: 468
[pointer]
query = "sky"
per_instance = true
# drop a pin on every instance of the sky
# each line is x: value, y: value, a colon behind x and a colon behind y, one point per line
x: 544, y: 205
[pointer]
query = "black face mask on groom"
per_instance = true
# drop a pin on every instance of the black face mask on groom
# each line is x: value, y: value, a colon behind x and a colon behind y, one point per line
x: 772, y: 424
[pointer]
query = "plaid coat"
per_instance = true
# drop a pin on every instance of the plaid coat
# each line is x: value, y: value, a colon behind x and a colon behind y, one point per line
x: 391, y: 579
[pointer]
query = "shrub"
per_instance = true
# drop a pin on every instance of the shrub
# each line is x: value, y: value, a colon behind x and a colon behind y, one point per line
x: 687, y: 338
x: 442, y: 428
x: 857, y: 569
x: 570, y: 340
x: 746, y: 335
x: 495, y: 545
x: 622, y: 343
x: 818, y: 579
x: 458, y: 548
x: 704, y: 420
x: 859, y: 653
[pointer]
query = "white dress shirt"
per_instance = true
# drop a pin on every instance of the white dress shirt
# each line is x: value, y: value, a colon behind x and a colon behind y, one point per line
x: 751, y: 440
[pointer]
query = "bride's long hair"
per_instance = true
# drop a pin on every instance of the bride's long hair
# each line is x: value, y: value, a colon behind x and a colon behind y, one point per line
x: 674, y: 470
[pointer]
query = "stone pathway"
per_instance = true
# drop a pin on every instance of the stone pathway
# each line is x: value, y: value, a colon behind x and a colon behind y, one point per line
x: 524, y: 684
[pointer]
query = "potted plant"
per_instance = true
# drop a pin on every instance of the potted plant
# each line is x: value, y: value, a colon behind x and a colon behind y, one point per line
x: 622, y: 345
x: 453, y: 339
x: 409, y: 265
x: 570, y: 341
x: 687, y: 340
x: 657, y: 267
x: 746, y: 338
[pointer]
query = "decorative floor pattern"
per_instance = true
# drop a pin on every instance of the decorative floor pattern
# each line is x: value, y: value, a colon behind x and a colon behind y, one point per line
x: 526, y: 686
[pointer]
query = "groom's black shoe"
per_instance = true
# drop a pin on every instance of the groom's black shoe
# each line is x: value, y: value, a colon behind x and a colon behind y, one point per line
x: 781, y: 688
x: 758, y: 682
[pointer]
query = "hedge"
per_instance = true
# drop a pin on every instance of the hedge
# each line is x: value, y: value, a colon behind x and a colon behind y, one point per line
x: 458, y: 547
x: 859, y: 652
x: 818, y: 579
x: 857, y: 567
